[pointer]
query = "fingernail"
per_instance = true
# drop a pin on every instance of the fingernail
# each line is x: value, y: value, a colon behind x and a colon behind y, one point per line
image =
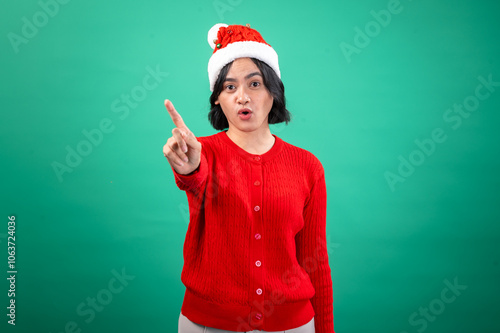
x: 185, y: 149
x: 180, y: 164
x: 186, y: 159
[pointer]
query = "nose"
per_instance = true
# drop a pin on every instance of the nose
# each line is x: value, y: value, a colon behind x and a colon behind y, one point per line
x: 242, y: 96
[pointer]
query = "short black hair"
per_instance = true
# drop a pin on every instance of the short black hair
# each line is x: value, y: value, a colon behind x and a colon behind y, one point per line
x: 272, y: 82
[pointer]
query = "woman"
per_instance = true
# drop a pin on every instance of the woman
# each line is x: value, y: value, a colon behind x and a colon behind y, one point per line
x: 255, y: 255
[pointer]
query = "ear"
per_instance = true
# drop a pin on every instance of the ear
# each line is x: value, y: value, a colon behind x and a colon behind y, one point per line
x: 217, y: 102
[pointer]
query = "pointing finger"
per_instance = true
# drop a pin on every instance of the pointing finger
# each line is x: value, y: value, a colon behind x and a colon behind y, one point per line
x: 176, y: 117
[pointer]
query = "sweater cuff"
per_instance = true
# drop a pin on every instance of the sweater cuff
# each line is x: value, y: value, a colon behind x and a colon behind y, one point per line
x: 193, y: 180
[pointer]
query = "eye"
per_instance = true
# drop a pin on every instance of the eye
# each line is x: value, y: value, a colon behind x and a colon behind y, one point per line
x: 255, y: 84
x: 229, y: 87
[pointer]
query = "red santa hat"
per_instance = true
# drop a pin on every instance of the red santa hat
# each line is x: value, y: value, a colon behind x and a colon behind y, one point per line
x: 231, y: 42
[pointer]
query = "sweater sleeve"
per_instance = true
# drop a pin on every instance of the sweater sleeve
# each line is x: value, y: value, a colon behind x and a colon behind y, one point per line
x: 312, y: 252
x: 195, y: 181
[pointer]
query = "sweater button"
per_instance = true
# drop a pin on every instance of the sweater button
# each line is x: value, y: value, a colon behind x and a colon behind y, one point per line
x: 258, y: 263
x: 258, y: 316
x: 259, y: 291
x: 257, y: 158
x: 258, y: 236
x: 256, y: 183
x: 256, y: 208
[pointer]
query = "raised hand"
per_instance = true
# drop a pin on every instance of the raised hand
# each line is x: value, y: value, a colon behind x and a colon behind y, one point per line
x: 182, y: 150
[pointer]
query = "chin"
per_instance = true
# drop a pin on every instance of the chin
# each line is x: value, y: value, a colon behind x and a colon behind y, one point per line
x: 247, y: 127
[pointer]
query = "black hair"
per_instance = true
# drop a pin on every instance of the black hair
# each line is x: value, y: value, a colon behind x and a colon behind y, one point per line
x: 272, y: 82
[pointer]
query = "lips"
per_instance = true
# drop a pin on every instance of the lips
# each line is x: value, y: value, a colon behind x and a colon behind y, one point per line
x: 245, y: 114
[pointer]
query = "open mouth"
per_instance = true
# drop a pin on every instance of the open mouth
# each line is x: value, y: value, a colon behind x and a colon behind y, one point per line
x: 245, y: 114
x: 245, y: 111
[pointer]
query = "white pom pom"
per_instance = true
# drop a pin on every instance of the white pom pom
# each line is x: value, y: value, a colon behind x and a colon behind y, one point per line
x: 212, y: 34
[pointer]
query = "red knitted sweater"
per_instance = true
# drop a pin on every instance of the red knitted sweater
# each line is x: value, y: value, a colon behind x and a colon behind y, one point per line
x: 255, y: 255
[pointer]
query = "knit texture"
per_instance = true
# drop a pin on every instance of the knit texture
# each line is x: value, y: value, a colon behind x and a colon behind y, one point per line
x: 255, y: 254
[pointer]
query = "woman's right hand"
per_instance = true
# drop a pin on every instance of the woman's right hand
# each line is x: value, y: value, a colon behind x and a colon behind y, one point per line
x: 182, y: 150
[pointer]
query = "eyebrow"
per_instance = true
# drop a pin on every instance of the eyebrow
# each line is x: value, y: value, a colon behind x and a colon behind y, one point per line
x: 246, y: 77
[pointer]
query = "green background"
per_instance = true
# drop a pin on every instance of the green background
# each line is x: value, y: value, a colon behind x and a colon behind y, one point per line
x: 391, y: 247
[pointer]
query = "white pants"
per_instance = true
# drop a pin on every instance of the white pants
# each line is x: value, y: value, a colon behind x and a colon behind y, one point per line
x: 187, y: 326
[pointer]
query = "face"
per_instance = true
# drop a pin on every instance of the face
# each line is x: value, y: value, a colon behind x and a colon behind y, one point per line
x: 244, y: 99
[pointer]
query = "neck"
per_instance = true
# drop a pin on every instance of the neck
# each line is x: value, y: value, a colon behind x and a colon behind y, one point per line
x: 254, y: 142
